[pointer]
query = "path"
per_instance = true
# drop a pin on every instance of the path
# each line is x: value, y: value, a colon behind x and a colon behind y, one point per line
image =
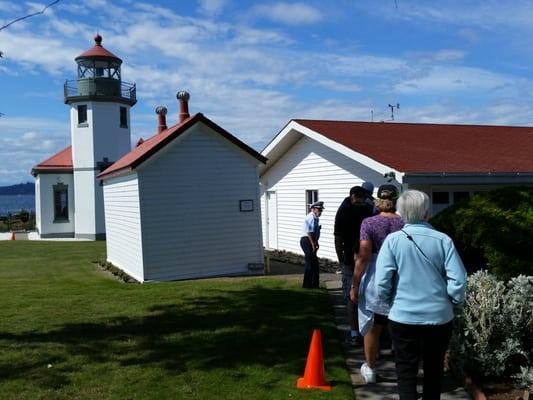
x: 385, y: 388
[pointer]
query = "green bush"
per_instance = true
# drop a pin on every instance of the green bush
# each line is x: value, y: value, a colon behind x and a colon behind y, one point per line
x: 493, y: 230
x: 493, y: 331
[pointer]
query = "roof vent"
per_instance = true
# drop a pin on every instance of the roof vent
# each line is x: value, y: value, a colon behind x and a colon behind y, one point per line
x: 183, y: 97
x: 161, y: 112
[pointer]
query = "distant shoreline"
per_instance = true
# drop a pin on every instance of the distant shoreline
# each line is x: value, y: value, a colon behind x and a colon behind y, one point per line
x: 27, y: 188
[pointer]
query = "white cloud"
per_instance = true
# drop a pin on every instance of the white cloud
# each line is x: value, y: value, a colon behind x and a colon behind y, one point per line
x: 212, y: 7
x: 338, y: 86
x: 30, y: 51
x: 289, y: 13
x: 454, y: 79
x: 485, y: 15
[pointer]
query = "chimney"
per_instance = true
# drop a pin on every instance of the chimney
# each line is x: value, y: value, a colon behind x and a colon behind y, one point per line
x: 161, y: 112
x: 183, y: 98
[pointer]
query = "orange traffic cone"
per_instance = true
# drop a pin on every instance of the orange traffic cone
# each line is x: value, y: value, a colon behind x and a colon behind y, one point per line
x: 314, y: 368
x: 12, y: 235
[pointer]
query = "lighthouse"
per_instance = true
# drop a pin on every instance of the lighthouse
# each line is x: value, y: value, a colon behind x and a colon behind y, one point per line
x: 100, y: 104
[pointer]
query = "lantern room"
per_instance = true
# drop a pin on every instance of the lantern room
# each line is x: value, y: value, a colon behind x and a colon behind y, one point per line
x: 99, y: 78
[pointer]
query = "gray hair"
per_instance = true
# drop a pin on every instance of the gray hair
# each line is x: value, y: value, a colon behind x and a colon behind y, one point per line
x: 413, y: 206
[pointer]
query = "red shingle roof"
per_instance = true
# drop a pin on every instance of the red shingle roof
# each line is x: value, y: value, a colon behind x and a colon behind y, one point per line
x: 98, y: 51
x: 152, y: 145
x: 59, y: 162
x: 427, y: 148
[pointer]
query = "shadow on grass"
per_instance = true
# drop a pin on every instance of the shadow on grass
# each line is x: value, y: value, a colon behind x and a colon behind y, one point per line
x: 269, y: 327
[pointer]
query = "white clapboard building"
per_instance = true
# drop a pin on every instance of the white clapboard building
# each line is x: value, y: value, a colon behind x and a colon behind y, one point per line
x: 311, y: 160
x: 185, y: 203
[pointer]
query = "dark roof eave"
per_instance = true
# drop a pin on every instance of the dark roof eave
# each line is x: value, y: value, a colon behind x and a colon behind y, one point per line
x: 52, y: 170
x: 464, y: 174
x: 119, y: 172
x: 468, y: 178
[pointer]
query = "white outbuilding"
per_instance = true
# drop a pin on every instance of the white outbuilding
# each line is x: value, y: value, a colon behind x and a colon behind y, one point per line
x: 185, y: 203
x: 316, y: 160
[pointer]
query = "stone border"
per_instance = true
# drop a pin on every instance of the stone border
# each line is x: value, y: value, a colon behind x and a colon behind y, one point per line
x: 116, y: 272
x: 326, y: 265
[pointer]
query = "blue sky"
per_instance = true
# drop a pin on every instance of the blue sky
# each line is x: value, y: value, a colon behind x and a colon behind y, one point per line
x: 252, y: 66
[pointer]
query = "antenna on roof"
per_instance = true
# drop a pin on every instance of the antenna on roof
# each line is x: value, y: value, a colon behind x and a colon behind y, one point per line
x: 392, y: 107
x: 372, y: 115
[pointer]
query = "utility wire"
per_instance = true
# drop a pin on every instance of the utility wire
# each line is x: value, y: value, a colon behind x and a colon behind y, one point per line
x: 29, y: 15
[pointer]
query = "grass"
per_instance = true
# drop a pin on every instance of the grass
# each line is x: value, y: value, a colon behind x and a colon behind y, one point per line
x: 70, y: 331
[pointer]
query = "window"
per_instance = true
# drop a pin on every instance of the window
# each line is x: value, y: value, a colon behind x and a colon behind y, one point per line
x: 441, y: 197
x: 311, y: 196
x: 60, y: 203
x: 82, y: 114
x: 460, y: 196
x: 123, y: 117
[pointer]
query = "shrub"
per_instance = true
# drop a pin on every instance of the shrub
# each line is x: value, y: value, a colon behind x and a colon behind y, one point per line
x: 492, y: 230
x: 493, y: 331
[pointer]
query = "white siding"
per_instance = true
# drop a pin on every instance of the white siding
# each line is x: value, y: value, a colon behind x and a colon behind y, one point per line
x: 123, y: 225
x: 310, y: 165
x: 101, y: 137
x: 190, y: 193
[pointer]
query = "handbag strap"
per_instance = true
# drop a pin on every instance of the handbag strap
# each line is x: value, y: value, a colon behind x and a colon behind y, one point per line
x: 421, y: 251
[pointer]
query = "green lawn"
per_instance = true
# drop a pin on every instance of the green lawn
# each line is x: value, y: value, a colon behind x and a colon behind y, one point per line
x: 70, y: 331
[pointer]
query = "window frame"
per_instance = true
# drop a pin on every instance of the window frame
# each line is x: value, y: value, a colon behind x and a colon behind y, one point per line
x: 82, y: 112
x: 62, y: 216
x: 314, y: 198
x: 123, y: 117
x: 435, y: 197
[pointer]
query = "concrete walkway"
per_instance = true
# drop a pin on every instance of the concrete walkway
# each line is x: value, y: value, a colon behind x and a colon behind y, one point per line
x: 385, y: 387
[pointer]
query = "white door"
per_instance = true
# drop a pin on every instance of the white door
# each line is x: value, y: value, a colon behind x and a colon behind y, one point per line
x: 272, y: 220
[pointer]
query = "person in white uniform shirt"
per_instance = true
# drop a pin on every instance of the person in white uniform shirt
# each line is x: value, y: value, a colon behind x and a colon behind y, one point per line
x: 309, y: 244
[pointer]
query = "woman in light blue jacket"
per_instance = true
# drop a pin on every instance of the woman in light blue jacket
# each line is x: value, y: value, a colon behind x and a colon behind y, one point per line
x: 419, y: 271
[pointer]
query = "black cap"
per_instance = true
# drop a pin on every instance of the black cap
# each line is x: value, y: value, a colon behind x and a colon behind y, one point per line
x: 358, y: 191
x: 318, y: 204
x: 389, y: 192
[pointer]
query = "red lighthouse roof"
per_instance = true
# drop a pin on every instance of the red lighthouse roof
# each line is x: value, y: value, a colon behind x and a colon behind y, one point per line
x: 98, y: 51
x: 59, y: 162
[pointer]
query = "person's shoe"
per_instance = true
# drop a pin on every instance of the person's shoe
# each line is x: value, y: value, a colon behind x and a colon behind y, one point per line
x: 368, y: 374
x: 353, y: 340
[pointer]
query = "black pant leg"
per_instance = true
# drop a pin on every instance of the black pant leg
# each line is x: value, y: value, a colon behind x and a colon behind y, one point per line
x: 435, y: 341
x: 308, y: 264
x: 315, y: 270
x: 406, y: 343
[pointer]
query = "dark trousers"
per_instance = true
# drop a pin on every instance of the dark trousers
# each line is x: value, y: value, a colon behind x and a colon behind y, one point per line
x: 413, y: 343
x: 311, y: 264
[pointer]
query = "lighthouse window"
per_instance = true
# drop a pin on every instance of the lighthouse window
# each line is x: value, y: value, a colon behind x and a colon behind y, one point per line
x: 123, y: 117
x: 60, y: 203
x: 82, y: 114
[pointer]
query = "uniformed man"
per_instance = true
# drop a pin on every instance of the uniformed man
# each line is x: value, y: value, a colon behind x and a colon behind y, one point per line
x: 309, y: 244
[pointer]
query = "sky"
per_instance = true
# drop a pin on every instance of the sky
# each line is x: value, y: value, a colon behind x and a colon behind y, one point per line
x: 252, y: 66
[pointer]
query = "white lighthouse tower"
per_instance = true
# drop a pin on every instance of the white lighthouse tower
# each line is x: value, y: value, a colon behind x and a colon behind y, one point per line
x: 100, y: 131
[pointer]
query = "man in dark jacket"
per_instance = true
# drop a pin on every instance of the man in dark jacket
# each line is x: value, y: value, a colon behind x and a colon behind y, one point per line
x: 352, y: 211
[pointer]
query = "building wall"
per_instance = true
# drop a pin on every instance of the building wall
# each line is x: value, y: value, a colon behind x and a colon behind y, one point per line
x: 123, y: 224
x: 44, y: 205
x: 190, y: 194
x: 101, y: 137
x: 309, y: 165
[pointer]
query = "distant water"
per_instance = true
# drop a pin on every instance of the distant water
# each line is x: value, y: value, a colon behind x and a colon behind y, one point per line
x: 16, y: 202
